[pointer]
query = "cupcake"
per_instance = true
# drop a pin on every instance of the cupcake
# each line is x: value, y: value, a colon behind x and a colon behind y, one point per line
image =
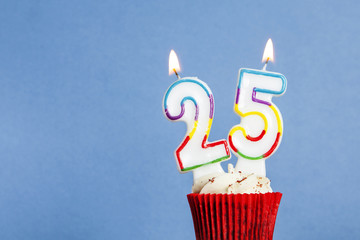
x: 236, y: 204
x: 233, y: 205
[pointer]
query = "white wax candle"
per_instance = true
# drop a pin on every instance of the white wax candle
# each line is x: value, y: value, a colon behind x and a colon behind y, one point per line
x: 191, y: 100
x: 260, y: 132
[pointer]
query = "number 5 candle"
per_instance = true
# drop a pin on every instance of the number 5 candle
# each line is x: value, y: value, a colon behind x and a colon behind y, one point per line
x: 260, y: 132
x: 191, y: 100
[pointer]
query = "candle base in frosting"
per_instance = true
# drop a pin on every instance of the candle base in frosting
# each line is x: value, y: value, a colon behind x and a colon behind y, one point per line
x: 251, y: 166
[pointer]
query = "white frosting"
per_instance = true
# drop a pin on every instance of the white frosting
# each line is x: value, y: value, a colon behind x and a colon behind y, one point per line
x: 232, y: 182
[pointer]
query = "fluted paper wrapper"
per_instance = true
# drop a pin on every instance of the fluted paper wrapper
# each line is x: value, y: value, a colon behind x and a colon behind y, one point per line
x: 234, y: 216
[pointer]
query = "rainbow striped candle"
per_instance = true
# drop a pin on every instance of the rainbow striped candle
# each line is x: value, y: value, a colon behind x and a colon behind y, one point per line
x: 260, y: 132
x: 191, y: 100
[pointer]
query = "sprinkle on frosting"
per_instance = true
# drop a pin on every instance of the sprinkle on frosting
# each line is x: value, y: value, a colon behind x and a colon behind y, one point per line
x: 232, y: 182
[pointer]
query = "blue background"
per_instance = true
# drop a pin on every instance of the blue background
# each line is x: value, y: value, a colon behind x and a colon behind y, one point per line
x: 86, y: 153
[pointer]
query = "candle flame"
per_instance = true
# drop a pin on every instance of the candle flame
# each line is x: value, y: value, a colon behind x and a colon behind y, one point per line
x: 268, y: 52
x: 174, y: 65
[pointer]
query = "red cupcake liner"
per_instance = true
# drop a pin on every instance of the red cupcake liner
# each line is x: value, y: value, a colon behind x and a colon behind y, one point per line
x: 234, y: 216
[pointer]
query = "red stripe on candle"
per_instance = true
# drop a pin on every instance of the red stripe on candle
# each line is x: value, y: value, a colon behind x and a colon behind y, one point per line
x: 273, y: 146
x: 203, y: 142
x: 227, y: 148
x: 255, y: 139
x: 204, y: 145
x: 180, y: 149
x: 232, y: 145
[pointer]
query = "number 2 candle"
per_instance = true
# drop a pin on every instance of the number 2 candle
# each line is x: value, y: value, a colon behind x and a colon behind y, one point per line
x: 260, y: 131
x: 191, y: 100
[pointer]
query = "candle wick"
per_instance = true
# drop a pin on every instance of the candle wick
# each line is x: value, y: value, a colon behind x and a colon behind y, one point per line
x: 267, y: 60
x: 177, y: 75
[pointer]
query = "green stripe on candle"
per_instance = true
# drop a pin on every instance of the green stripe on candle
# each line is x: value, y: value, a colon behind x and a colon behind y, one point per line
x: 250, y: 158
x: 200, y: 165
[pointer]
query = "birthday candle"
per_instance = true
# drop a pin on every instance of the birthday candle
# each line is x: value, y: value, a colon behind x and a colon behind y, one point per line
x: 191, y: 100
x: 260, y: 132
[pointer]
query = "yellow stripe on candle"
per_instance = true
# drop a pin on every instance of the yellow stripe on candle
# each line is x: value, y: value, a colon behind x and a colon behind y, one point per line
x: 277, y: 119
x: 193, y: 130
x: 252, y: 113
x: 237, y: 128
x: 209, y: 127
